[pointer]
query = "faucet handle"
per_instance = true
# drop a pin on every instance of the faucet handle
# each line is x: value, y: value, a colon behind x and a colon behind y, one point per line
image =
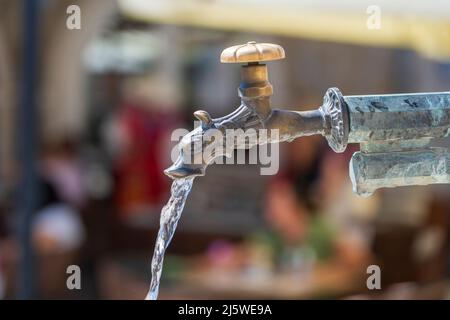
x: 252, y: 52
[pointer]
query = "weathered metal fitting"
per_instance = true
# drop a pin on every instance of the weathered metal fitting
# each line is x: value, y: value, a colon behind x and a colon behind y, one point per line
x: 256, y: 92
x: 375, y: 118
x: 255, y: 82
x: 254, y: 73
x: 335, y: 112
x: 252, y: 52
x: 372, y: 171
x: 394, y: 145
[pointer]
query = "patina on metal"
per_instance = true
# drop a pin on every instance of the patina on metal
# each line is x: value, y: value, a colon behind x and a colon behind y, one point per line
x: 394, y: 131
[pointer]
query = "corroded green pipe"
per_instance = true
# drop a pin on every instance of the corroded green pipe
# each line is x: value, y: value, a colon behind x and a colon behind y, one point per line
x: 394, y: 132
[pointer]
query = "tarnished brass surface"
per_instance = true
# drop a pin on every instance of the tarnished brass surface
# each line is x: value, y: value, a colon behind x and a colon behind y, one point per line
x: 394, y: 131
x: 255, y: 113
x: 255, y: 82
x: 252, y: 52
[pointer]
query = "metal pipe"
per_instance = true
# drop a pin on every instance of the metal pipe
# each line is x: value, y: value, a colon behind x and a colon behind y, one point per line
x: 26, y: 201
x: 371, y: 171
x: 398, y: 116
x: 394, y: 131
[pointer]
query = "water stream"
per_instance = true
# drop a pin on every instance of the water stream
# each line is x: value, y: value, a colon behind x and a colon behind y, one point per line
x: 170, y: 214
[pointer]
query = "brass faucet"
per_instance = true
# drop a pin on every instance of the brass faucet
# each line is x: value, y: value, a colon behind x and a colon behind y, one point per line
x: 394, y: 131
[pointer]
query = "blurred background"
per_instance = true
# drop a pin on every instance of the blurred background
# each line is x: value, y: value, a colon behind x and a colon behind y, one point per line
x: 85, y: 121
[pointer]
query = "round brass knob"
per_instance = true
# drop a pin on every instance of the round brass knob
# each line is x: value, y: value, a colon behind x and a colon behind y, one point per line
x: 252, y: 52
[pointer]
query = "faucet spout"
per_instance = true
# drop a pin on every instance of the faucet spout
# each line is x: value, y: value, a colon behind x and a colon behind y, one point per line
x: 394, y: 131
x: 212, y: 139
x: 180, y: 170
x: 242, y: 129
x: 254, y: 122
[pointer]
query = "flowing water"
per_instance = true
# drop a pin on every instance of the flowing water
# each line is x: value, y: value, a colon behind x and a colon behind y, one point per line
x: 170, y: 215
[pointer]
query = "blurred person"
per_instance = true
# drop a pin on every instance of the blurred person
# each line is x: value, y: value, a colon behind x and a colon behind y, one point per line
x: 351, y: 214
x: 57, y: 236
x: 57, y: 230
x: 430, y: 247
x: 141, y: 129
x: 301, y: 232
x: 57, y: 226
x: 404, y: 228
x: 296, y: 232
x: 62, y: 168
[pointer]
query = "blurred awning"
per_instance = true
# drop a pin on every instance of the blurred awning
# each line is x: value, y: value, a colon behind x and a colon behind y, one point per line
x: 423, y: 25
